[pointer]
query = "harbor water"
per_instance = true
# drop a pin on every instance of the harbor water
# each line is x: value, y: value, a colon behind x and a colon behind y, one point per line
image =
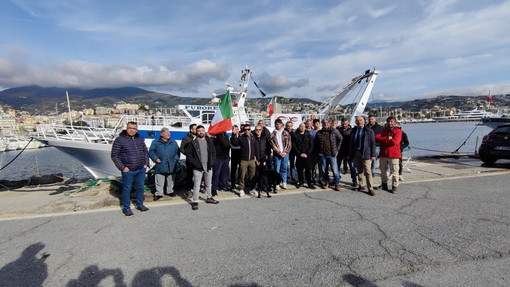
x: 425, y: 139
x: 445, y: 137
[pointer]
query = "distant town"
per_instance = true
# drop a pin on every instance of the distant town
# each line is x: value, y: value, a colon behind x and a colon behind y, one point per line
x: 23, y: 120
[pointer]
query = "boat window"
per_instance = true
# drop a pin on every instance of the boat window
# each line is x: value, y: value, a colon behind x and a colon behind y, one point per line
x: 207, y: 117
x: 151, y: 134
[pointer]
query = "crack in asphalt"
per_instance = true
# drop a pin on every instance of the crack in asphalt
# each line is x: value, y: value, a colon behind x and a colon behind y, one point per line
x: 26, y: 231
x: 100, y: 229
x: 421, y: 261
x: 380, y: 242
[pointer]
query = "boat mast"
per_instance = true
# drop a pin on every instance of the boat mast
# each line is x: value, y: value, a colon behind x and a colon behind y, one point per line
x: 360, y: 107
x: 328, y: 105
x: 69, y: 108
x: 242, y: 94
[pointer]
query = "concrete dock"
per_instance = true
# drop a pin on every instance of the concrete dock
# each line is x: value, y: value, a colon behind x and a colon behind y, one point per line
x: 38, y: 200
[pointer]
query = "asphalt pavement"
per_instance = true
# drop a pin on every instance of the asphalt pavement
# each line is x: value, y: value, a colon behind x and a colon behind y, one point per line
x: 439, y: 232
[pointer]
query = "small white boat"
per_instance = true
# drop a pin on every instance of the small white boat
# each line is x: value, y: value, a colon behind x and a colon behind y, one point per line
x: 14, y: 142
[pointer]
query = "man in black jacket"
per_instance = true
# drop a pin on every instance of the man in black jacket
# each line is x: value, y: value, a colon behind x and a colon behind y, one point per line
x: 201, y: 154
x: 302, y: 147
x: 220, y: 168
x: 184, y: 143
x: 266, y: 134
x: 263, y: 155
x: 363, y: 153
x: 235, y: 158
x: 377, y: 128
x: 404, y: 143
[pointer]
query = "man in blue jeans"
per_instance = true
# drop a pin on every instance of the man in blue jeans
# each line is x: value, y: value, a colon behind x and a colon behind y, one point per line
x: 328, y: 142
x: 281, y: 144
x: 130, y: 156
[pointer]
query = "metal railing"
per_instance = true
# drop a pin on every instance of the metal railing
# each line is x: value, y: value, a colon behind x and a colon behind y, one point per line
x: 75, y: 133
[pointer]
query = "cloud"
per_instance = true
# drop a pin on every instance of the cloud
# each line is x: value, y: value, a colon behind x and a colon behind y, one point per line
x: 314, y: 47
x: 16, y: 71
x: 503, y: 89
x: 276, y: 84
x: 376, y: 13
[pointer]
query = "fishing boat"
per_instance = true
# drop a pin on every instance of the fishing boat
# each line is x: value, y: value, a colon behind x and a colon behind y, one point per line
x: 92, y: 146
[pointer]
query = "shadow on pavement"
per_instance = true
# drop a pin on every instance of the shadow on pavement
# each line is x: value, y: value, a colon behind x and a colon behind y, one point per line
x: 92, y: 276
x: 357, y: 280
x: 152, y: 277
x: 28, y: 270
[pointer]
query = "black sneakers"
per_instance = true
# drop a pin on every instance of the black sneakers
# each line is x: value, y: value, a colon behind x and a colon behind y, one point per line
x: 157, y: 197
x: 194, y: 205
x: 142, y: 208
x: 211, y: 200
x: 127, y: 212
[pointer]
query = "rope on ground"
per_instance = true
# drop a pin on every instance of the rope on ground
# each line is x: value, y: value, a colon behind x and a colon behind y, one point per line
x: 457, y: 150
x: 17, y: 154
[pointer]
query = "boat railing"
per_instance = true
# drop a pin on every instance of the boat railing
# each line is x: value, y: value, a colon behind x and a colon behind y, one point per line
x: 75, y: 133
x: 155, y: 120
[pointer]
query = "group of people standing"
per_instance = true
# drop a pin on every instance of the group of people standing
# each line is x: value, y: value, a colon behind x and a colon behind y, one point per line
x: 306, y: 155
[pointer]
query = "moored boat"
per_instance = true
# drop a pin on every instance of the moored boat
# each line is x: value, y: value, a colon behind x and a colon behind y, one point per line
x: 474, y: 114
x: 494, y: 122
x: 92, y: 146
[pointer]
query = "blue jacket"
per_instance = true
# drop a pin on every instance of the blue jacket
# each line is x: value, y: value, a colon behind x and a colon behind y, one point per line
x: 129, y: 152
x: 168, y: 152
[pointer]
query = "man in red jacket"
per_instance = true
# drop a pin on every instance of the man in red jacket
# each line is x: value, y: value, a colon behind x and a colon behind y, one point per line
x: 389, y: 138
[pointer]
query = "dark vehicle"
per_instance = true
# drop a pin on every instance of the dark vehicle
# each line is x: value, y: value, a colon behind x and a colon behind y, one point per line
x: 495, y: 145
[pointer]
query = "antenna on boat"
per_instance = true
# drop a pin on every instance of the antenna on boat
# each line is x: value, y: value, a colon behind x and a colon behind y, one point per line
x: 69, y: 108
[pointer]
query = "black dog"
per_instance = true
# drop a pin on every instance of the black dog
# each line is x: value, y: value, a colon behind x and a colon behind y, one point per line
x: 268, y: 180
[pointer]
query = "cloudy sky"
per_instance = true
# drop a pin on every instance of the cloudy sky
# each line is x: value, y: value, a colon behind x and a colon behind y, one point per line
x: 299, y: 48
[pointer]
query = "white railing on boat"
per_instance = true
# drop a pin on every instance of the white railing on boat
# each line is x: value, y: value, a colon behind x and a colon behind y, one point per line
x: 75, y: 133
x: 155, y: 120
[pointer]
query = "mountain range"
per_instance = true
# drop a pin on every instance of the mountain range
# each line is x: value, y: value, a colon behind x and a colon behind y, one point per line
x: 40, y: 100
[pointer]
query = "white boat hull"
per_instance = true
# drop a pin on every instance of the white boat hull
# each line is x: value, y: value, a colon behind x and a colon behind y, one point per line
x: 95, y: 157
x: 495, y: 122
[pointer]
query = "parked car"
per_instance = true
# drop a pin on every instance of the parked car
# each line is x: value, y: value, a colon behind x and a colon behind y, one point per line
x: 495, y: 145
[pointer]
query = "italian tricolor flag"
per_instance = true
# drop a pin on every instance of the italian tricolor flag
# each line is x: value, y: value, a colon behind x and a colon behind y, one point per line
x: 222, y: 120
x: 270, y: 107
